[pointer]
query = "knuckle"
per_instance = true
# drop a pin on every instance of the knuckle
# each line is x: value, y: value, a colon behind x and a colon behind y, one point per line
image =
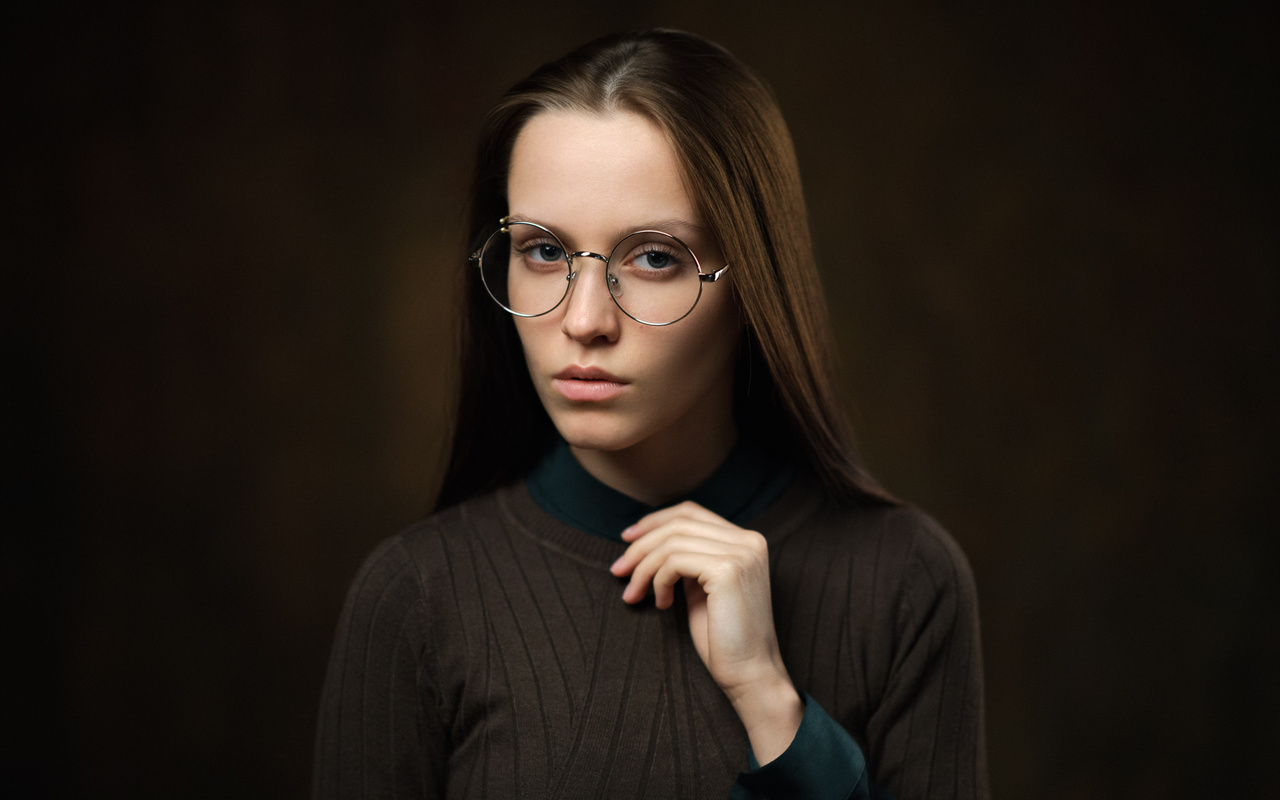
x: 688, y: 507
x: 726, y: 569
x: 666, y: 549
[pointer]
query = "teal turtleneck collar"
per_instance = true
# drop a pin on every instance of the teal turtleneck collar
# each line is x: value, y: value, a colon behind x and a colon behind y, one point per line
x: 746, y: 483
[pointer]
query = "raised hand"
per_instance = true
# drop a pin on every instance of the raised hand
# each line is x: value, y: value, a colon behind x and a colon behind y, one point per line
x: 725, y: 573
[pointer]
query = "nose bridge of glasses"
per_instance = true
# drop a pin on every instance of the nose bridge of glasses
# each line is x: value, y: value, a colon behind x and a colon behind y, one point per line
x: 575, y: 277
x: 574, y: 270
x: 589, y: 254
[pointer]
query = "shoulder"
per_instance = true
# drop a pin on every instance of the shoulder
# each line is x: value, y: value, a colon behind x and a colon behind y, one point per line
x: 923, y: 551
x: 900, y: 532
x: 406, y: 568
x: 877, y: 585
x: 920, y: 590
x: 910, y: 589
x: 916, y: 558
x: 898, y: 552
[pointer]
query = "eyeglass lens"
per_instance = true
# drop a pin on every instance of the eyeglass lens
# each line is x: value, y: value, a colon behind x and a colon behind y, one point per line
x: 651, y: 276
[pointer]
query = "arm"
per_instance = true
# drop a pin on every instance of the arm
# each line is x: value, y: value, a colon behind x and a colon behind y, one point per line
x: 379, y: 732
x: 822, y: 762
x: 926, y: 731
x: 915, y: 623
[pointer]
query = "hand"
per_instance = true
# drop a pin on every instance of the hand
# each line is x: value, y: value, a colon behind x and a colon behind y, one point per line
x: 725, y: 573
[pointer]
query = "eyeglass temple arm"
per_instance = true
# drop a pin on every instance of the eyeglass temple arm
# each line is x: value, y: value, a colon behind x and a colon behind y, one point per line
x: 712, y: 277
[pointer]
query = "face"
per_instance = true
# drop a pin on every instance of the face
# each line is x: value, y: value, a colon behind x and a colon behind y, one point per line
x: 608, y: 382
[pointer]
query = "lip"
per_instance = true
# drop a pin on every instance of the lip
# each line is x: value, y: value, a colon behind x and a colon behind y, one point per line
x: 588, y: 384
x: 577, y: 373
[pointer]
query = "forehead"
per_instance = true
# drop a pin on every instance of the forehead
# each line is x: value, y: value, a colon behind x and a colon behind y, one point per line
x: 593, y: 174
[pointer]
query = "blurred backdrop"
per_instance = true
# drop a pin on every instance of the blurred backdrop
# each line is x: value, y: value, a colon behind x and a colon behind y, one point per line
x: 230, y: 239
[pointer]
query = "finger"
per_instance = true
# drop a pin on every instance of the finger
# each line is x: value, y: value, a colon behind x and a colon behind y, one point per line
x: 688, y: 509
x: 743, y: 552
x: 644, y: 569
x: 677, y: 527
x: 655, y: 538
x: 648, y: 567
x: 677, y: 567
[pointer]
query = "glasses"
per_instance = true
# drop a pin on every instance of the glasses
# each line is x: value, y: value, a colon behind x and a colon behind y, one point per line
x: 652, y: 276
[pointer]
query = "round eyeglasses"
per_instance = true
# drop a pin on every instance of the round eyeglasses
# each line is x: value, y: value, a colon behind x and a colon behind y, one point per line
x: 652, y: 276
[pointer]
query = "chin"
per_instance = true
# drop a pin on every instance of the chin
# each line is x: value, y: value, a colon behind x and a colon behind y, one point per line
x: 595, y: 434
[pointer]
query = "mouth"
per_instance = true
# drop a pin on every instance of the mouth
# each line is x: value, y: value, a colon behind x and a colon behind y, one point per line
x: 588, y: 384
x: 576, y: 373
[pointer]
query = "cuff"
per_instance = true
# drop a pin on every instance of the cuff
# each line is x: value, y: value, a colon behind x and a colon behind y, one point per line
x: 823, y: 762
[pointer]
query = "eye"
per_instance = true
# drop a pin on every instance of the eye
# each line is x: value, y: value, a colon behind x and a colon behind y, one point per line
x: 653, y: 256
x: 655, y: 259
x: 541, y: 251
x: 547, y: 252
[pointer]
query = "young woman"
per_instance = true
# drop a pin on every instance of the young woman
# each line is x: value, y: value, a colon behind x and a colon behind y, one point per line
x: 658, y: 568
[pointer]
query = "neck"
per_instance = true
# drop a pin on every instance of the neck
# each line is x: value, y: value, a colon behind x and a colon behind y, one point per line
x: 664, y: 466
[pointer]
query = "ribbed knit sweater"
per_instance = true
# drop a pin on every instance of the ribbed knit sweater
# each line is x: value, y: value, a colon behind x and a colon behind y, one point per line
x: 486, y: 652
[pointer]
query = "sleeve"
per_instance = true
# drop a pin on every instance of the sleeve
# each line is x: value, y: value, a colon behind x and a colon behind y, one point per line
x: 823, y: 762
x: 926, y: 736
x: 380, y: 733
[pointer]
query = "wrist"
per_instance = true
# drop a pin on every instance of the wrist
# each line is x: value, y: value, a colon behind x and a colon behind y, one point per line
x: 771, y: 711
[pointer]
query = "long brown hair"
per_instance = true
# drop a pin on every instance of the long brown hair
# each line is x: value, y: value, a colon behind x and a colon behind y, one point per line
x: 740, y: 170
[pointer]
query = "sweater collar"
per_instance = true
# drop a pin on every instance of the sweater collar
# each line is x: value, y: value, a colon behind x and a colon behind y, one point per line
x: 746, y: 483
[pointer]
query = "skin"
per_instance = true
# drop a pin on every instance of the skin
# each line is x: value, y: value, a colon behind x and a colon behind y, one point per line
x: 592, y: 178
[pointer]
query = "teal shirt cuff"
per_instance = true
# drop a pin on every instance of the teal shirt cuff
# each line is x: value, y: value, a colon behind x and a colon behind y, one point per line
x: 823, y: 762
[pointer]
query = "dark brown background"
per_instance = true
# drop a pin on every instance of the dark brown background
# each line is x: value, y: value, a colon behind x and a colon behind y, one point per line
x: 229, y: 238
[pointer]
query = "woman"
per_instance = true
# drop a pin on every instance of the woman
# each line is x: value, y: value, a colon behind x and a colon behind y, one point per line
x: 646, y: 412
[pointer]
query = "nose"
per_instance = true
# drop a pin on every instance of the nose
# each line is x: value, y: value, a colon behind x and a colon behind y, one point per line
x: 590, y: 313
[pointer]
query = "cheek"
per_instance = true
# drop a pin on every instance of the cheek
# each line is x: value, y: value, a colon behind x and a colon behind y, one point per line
x: 532, y: 339
x: 720, y: 332
x: 535, y: 344
x: 707, y: 351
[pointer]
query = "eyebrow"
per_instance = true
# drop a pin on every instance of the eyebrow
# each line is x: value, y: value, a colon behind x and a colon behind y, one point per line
x: 681, y: 228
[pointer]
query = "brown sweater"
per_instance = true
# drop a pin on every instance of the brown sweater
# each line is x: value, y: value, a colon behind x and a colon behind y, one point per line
x: 486, y: 652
